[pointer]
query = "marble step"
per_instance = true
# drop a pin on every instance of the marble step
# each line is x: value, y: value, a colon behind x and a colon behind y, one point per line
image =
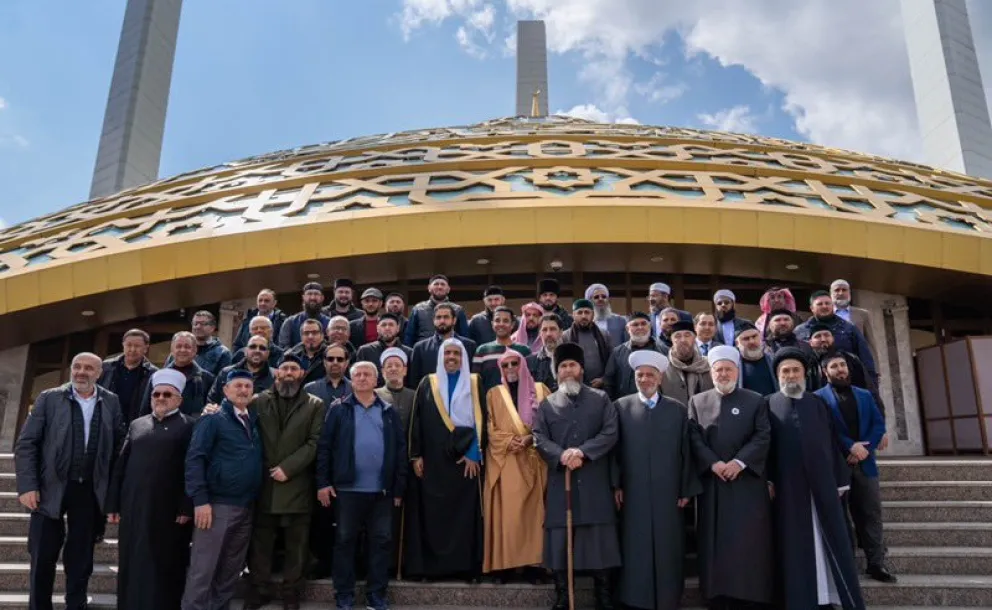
x: 935, y: 469
x: 936, y: 490
x: 902, y: 511
x: 938, y: 534
x: 910, y: 591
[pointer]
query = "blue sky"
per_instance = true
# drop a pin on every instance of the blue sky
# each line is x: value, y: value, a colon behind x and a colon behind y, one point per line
x: 253, y: 76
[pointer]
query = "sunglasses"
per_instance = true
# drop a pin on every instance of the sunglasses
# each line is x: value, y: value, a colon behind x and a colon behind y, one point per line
x: 260, y: 348
x: 510, y: 365
x: 335, y: 359
x: 165, y: 395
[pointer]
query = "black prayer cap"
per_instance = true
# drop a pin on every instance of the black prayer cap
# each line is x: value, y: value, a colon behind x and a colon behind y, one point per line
x: 290, y: 357
x: 390, y: 316
x: 312, y: 286
x: 639, y: 315
x: 816, y: 327
x: 549, y: 284
x: 569, y: 351
x: 744, y: 327
x: 343, y: 282
x: 492, y: 291
x: 789, y: 353
x: 237, y: 374
x: 396, y: 294
x: 818, y: 294
x: 682, y: 325
x: 781, y: 311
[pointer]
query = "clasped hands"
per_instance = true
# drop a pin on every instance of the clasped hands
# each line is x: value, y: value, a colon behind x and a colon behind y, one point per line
x: 572, y: 458
x: 519, y: 443
x: 859, y: 452
x: 727, y: 471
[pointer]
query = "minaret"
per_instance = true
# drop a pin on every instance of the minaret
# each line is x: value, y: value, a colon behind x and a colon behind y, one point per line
x: 532, y: 69
x: 134, y: 121
x: 950, y: 100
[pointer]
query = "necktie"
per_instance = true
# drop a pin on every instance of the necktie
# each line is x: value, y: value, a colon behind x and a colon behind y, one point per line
x: 705, y: 348
x: 649, y: 403
x: 246, y: 423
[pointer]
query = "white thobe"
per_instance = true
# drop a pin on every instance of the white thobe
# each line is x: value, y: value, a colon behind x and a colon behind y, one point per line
x: 826, y: 588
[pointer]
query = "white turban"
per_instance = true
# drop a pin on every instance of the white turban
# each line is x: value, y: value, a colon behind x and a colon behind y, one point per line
x: 660, y: 287
x: 724, y: 352
x: 648, y: 357
x: 593, y: 288
x: 724, y: 294
x: 837, y: 283
x: 170, y: 377
x: 390, y: 352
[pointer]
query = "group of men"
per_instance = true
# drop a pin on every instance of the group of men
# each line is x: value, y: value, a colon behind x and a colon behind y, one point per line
x: 438, y: 446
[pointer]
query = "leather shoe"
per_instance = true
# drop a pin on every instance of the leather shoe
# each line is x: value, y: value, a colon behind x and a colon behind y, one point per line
x: 255, y: 600
x: 880, y: 574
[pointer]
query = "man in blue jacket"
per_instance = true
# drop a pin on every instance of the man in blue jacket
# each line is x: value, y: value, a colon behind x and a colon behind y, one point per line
x: 861, y: 427
x: 223, y: 477
x: 362, y: 465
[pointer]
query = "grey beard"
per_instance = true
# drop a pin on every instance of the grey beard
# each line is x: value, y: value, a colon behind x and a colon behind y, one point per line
x: 287, y: 389
x: 686, y: 356
x: 603, y: 312
x: 752, y: 355
x: 842, y: 303
x: 725, y: 388
x: 639, y: 341
x: 793, y: 390
x: 571, y: 387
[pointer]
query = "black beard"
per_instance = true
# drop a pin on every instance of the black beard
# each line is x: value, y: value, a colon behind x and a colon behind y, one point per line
x: 442, y: 330
x: 312, y: 309
x: 726, y: 317
x: 287, y: 389
x: 387, y: 341
x: 343, y: 304
x: 842, y: 384
x: 548, y: 307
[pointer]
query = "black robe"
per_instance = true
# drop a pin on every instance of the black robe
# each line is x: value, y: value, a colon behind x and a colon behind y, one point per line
x: 148, y: 492
x: 443, y: 529
x: 736, y: 550
x: 654, y: 468
x: 806, y: 461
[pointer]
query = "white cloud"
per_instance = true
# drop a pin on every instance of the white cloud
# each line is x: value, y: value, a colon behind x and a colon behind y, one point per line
x: 14, y: 140
x: 657, y: 91
x: 3, y: 103
x: 591, y: 112
x: 737, y: 119
x: 418, y: 13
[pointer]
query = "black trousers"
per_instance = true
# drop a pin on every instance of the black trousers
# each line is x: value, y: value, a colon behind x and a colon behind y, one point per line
x: 374, y: 513
x: 45, y: 541
x: 864, y: 503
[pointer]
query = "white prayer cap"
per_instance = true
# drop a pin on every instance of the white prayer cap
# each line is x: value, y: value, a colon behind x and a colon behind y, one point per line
x: 660, y: 287
x: 391, y: 352
x: 594, y: 287
x: 724, y: 294
x: 837, y: 283
x: 170, y: 377
x: 648, y: 357
x: 724, y: 352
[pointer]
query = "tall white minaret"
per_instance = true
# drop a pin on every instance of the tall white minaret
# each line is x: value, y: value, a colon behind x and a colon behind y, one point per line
x: 134, y: 122
x: 532, y: 68
x: 950, y: 101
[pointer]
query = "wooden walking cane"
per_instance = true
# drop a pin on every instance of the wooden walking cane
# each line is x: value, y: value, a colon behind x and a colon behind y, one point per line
x: 568, y: 533
x: 399, y: 557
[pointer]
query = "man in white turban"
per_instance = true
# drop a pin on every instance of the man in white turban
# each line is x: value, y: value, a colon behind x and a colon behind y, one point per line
x: 613, y: 326
x: 727, y: 322
x: 656, y: 481
x: 443, y: 521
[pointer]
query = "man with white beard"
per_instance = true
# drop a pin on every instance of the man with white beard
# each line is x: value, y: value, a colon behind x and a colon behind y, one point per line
x: 688, y: 372
x: 807, y: 475
x: 654, y: 480
x: 576, y: 428
x: 613, y: 326
x: 618, y: 381
x: 756, y: 366
x: 730, y: 439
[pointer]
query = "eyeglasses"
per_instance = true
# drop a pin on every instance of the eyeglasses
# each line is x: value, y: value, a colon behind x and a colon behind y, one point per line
x: 335, y: 359
x: 260, y: 348
x: 600, y: 297
x: 512, y: 364
x: 311, y: 332
x: 165, y: 395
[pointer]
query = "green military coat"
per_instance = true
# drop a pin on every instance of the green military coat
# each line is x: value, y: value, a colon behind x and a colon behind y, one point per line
x: 289, y: 442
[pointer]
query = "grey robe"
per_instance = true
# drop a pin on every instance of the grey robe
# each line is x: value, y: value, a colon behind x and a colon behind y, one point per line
x: 654, y: 468
x: 735, y: 517
x: 587, y: 421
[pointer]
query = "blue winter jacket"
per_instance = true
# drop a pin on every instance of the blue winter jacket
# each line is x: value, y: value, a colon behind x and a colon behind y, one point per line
x: 224, y: 461
x: 870, y: 422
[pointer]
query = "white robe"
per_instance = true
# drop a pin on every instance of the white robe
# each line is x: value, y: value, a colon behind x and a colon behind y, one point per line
x: 826, y: 589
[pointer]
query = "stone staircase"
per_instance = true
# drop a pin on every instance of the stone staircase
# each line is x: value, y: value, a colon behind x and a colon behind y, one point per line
x: 938, y: 526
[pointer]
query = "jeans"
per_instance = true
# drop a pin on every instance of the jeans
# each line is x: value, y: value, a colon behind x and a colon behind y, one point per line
x: 374, y: 512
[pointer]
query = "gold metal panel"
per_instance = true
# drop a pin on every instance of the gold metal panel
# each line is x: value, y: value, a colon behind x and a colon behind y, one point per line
x: 90, y: 276
x: 702, y: 226
x: 961, y: 253
x: 227, y: 252
x: 23, y: 292
x: 738, y: 228
x: 555, y: 225
x: 882, y: 240
x: 55, y: 284
x: 296, y: 243
x: 408, y: 230
x: 3, y: 296
x: 848, y: 238
x: 124, y: 269
x: 158, y: 264
x: 923, y: 247
x: 192, y: 257
x: 776, y: 230
x: 666, y: 224
x: 813, y: 234
x: 986, y: 256
x: 612, y: 223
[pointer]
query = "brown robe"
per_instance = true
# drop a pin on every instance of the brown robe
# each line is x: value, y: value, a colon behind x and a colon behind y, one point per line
x: 513, y: 500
